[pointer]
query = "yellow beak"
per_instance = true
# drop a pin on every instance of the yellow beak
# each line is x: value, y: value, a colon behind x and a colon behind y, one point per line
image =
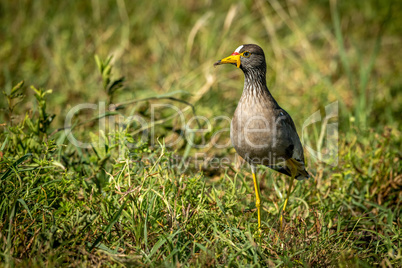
x: 234, y: 58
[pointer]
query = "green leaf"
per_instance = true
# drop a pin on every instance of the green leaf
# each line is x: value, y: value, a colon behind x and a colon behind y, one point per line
x: 16, y: 88
x: 14, y: 165
x: 108, y: 60
x: 115, y: 85
x: 25, y: 206
x: 107, y: 71
x: 105, y: 248
x: 37, y: 91
x: 99, y: 63
x: 109, y: 226
x: 155, y: 248
x: 4, y: 144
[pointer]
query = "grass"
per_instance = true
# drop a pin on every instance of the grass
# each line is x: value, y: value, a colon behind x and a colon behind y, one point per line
x: 147, y: 187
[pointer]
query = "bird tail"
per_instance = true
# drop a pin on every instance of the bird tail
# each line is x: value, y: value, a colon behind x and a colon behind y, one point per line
x: 292, y: 166
x: 297, y: 169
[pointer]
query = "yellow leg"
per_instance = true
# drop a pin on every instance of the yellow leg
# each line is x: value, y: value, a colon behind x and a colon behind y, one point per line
x: 286, y: 201
x: 257, y: 199
x: 293, y: 172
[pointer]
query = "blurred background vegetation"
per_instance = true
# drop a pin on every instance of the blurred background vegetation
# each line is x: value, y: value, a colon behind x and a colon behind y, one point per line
x: 317, y: 52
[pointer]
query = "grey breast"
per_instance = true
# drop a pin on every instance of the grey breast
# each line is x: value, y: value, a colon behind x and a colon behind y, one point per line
x: 260, y: 132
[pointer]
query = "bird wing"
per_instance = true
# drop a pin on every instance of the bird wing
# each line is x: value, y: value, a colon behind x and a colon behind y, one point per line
x: 282, y: 113
x: 295, y: 164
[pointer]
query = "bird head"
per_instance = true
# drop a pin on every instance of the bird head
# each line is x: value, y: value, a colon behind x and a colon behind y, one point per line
x: 246, y: 57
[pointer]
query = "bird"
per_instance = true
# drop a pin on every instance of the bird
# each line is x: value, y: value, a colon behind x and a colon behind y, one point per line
x: 261, y: 132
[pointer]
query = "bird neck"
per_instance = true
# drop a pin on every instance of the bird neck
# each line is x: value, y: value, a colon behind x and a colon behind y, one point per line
x: 255, y: 85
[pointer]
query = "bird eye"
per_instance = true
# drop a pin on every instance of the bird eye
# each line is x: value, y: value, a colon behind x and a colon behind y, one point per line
x: 246, y: 54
